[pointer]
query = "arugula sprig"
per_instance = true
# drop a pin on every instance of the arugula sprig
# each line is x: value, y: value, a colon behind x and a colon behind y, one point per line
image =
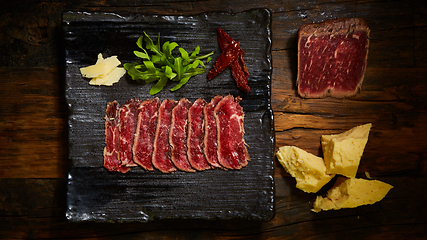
x: 162, y: 65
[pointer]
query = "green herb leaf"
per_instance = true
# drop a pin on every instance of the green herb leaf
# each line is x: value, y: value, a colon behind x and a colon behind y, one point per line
x: 178, y: 69
x: 140, y: 42
x: 169, y: 73
x: 130, y: 68
x: 159, y: 86
x: 151, y: 46
x: 181, y: 83
x: 168, y: 48
x: 143, y: 55
x: 184, y: 55
x: 163, y: 66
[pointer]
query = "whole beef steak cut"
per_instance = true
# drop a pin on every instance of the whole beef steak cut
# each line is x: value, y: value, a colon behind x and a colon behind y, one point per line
x: 332, y: 57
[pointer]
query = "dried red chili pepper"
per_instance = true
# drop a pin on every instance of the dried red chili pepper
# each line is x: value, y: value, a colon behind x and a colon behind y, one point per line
x: 224, y: 40
x: 224, y: 60
x: 238, y: 67
x: 231, y: 56
x: 240, y: 73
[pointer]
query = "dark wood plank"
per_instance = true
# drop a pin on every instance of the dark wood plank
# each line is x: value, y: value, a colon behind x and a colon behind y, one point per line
x: 34, y: 208
x: 33, y: 124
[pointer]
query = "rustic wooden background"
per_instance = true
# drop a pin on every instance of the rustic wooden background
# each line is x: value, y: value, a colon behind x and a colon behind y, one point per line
x: 33, y: 128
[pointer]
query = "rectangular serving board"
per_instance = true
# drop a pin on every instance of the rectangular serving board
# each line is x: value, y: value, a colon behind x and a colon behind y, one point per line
x: 94, y: 193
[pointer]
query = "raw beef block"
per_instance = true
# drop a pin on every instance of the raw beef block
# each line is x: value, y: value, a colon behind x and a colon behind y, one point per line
x: 332, y: 57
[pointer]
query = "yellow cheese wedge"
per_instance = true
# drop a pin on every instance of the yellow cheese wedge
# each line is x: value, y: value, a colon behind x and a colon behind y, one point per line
x: 110, y: 78
x: 101, y: 67
x: 308, y: 170
x: 351, y: 193
x: 342, y: 152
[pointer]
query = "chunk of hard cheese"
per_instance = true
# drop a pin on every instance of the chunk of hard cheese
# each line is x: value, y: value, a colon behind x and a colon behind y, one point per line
x: 308, y: 170
x: 351, y: 193
x: 342, y: 152
x: 109, y: 79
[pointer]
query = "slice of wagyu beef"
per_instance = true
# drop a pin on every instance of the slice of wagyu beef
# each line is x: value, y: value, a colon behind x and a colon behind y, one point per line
x: 210, y: 143
x: 232, y: 151
x: 161, y: 158
x: 332, y: 58
x: 143, y: 145
x: 112, y: 142
x: 128, y: 116
x: 178, y: 136
x: 196, y: 135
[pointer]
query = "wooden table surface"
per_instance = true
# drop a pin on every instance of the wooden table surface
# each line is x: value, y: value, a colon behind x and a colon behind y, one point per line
x: 33, y: 123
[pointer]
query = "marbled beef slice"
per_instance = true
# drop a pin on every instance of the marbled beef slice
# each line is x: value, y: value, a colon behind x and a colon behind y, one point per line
x: 332, y: 57
x: 210, y: 145
x: 178, y: 136
x: 145, y: 132
x: 196, y: 135
x: 128, y: 115
x: 232, y: 151
x: 111, y: 150
x: 161, y: 158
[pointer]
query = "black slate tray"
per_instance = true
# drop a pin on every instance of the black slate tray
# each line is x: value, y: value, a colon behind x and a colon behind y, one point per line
x: 94, y: 194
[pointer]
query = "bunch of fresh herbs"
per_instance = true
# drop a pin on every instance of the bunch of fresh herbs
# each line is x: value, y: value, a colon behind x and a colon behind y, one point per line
x: 163, y: 66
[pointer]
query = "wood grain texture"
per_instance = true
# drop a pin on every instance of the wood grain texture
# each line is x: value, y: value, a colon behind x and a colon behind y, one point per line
x: 32, y: 123
x: 33, y: 208
x: 33, y: 129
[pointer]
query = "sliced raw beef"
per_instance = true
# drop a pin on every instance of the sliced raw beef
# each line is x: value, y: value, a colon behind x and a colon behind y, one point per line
x: 178, y: 136
x: 210, y: 146
x: 161, y: 155
x: 145, y: 132
x: 332, y: 57
x: 111, y: 151
x: 232, y: 151
x: 128, y: 115
x: 196, y: 133
x: 172, y: 135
